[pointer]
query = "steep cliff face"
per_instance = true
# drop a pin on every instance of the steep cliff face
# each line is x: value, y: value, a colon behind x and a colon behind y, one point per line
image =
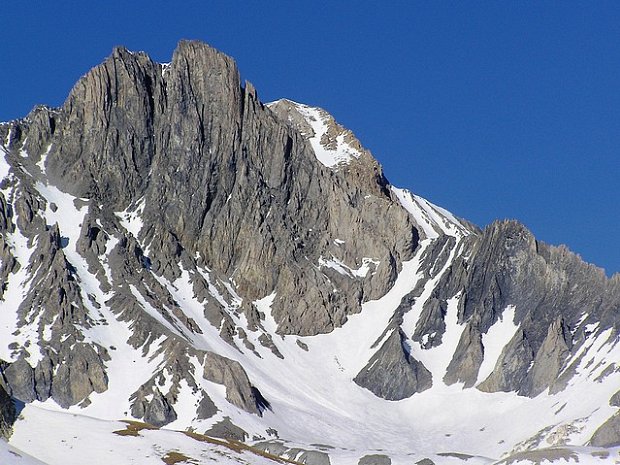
x: 153, y: 173
x: 217, y: 176
x: 555, y: 296
x: 175, y: 251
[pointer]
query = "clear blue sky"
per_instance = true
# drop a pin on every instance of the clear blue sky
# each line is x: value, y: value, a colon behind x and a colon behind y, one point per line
x: 490, y: 109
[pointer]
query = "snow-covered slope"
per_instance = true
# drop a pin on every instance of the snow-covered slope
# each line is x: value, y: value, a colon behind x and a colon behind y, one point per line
x: 59, y: 437
x: 291, y: 298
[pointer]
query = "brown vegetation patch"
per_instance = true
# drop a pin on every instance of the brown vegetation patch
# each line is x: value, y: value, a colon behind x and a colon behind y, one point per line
x: 134, y: 428
x: 173, y: 457
x: 238, y: 446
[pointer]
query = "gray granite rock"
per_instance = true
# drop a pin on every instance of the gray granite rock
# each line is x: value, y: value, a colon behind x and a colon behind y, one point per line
x: 375, y: 459
x: 392, y: 373
x: 153, y: 407
x: 231, y: 374
x: 299, y: 455
x: 467, y: 357
x: 550, y: 359
x: 18, y: 380
x: 551, y: 290
x: 425, y: 461
x: 608, y: 434
x: 314, y: 457
x: 226, y: 429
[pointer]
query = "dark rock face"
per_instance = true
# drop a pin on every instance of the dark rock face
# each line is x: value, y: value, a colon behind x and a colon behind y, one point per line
x: 54, y: 301
x: 392, y: 373
x: 75, y: 378
x: 556, y: 297
x: 7, y: 413
x: 615, y: 400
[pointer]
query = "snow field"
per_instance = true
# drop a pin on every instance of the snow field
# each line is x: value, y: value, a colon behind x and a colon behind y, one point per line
x: 60, y: 438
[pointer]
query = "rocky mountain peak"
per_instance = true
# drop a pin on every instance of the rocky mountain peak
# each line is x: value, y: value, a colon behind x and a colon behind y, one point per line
x: 175, y: 251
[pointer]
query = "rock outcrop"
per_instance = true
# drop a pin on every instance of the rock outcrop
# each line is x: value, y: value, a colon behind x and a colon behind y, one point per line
x: 392, y: 373
x: 608, y: 434
x: 7, y: 413
x: 555, y: 294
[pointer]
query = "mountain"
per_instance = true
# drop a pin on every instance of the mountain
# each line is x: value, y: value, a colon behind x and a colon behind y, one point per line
x: 180, y: 256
